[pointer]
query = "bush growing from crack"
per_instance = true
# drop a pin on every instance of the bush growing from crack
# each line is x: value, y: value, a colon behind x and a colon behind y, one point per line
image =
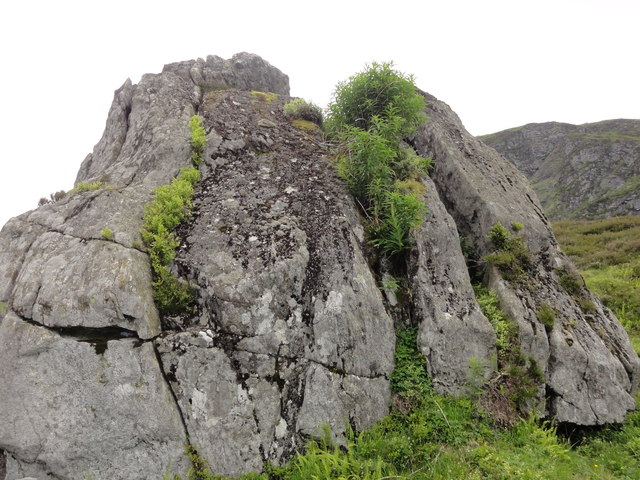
x: 371, y: 114
x: 546, y: 315
x: 107, y: 233
x: 512, y: 255
x: 198, y: 139
x: 519, y: 376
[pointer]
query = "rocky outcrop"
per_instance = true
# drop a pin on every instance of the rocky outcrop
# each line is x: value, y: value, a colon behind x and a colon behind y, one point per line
x: 588, y: 362
x: 578, y: 171
x: 289, y: 330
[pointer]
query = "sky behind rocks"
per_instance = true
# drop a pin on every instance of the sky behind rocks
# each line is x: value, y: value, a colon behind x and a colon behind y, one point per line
x: 498, y: 64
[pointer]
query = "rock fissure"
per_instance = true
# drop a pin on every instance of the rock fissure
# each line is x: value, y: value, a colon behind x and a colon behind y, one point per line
x: 289, y: 328
x: 168, y: 382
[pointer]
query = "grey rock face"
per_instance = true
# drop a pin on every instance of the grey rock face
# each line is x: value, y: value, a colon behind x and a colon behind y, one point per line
x: 589, y: 365
x: 578, y: 171
x: 453, y: 331
x: 289, y: 329
x: 244, y: 71
x: 284, y: 289
x: 74, y: 410
x: 285, y: 296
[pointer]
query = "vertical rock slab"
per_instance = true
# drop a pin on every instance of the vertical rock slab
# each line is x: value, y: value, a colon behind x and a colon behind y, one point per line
x: 479, y: 188
x: 70, y: 411
x: 283, y: 288
x: 453, y: 332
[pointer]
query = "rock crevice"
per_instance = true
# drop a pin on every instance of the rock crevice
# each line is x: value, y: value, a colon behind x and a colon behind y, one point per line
x: 289, y: 329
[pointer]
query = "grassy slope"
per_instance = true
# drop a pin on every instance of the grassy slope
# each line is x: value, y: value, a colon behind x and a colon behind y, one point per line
x: 608, y: 254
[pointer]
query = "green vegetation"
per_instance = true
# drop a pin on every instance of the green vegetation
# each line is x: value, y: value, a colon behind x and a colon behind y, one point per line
x: 547, y: 316
x: 86, y: 187
x: 431, y: 437
x: 511, y: 392
x: 371, y: 114
x: 198, y: 139
x: 171, y: 206
x: 3, y: 308
x: 306, y: 126
x: 300, y: 109
x: 378, y: 92
x: 107, y: 233
x: 512, y: 256
x: 266, y: 97
x: 607, y: 252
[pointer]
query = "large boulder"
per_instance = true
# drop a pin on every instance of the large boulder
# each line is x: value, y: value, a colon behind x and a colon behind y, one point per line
x: 289, y: 330
x: 589, y: 365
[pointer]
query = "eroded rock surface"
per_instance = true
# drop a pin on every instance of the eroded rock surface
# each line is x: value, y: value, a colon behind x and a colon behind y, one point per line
x: 67, y: 409
x: 453, y: 331
x: 289, y: 329
x: 589, y: 364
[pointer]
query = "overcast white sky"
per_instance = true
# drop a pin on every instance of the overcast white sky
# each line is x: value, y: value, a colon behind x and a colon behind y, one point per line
x: 498, y: 64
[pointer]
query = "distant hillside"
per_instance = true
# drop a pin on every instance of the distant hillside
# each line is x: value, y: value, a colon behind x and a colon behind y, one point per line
x: 579, y: 171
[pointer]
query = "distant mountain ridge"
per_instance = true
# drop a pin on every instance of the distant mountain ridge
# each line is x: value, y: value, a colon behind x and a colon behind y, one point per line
x: 578, y: 171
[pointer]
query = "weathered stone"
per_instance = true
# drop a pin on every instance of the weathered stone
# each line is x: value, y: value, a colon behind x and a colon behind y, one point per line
x: 480, y: 188
x: 453, y: 331
x: 289, y: 329
x: 68, y: 410
x: 329, y: 400
x: 273, y: 249
x: 71, y: 282
x: 244, y: 71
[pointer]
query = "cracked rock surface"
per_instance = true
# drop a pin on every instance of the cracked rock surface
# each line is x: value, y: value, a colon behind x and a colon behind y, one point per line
x: 589, y: 365
x: 289, y: 329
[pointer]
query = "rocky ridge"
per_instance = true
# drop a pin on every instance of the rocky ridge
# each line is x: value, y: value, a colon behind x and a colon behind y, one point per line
x: 578, y: 171
x: 290, y: 330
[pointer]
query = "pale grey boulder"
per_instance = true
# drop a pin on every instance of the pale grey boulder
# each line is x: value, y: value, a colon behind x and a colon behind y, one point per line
x: 480, y: 188
x: 329, y: 402
x: 73, y: 282
x: 243, y: 71
x: 453, y: 332
x: 68, y: 410
x: 147, y: 137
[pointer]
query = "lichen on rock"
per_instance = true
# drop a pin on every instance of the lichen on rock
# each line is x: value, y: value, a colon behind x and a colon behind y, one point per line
x: 288, y: 328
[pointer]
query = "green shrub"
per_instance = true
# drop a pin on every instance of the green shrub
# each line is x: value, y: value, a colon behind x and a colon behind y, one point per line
x: 379, y: 173
x: 546, y: 315
x: 506, y: 330
x: 570, y: 281
x: 107, y: 233
x: 512, y: 256
x: 198, y: 139
x: 516, y: 226
x: 266, y: 97
x: 171, y: 205
x: 300, y: 109
x: 399, y: 213
x: 409, y: 378
x: 86, y: 187
x: 378, y: 91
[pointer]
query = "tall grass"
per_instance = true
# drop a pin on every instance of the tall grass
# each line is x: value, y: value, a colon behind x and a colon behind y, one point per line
x: 608, y: 254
